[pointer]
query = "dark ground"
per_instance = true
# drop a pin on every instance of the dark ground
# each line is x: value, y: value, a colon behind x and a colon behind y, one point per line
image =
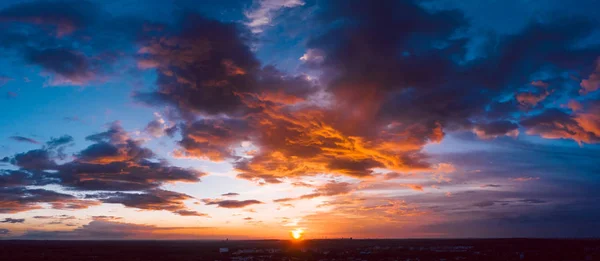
x: 343, y: 249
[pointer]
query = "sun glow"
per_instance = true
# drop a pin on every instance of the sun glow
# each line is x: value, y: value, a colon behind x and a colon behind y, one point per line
x: 297, y: 233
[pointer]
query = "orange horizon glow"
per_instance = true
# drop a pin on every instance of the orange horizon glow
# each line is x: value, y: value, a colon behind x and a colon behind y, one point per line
x: 297, y: 234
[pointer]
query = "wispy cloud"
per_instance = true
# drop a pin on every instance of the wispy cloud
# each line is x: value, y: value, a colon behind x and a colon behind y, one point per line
x: 264, y: 11
x: 24, y: 139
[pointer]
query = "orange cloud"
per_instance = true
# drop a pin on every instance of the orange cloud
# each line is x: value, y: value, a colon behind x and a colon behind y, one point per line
x: 331, y: 188
x: 297, y: 126
x: 523, y: 179
x: 590, y: 121
x: 592, y: 83
x: 539, y: 84
x: 530, y: 99
x: 415, y: 187
x: 147, y: 64
x: 374, y: 217
x: 582, y: 127
x: 574, y: 105
x: 232, y: 69
x: 300, y: 142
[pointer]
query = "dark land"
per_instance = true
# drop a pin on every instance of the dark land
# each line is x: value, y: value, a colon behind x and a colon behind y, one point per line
x: 340, y: 249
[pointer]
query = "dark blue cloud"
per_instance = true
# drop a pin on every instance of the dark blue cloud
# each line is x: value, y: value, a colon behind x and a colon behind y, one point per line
x: 115, y: 162
x: 73, y: 42
x: 63, y: 15
x: 24, y: 139
x: 194, y: 60
x: 517, y: 188
x: 233, y: 203
x: 573, y: 220
x: 60, y: 141
x: 151, y: 200
x: 13, y: 220
x: 19, y: 199
x: 39, y: 159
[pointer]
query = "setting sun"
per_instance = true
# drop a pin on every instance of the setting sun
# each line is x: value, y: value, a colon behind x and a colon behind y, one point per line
x: 297, y: 233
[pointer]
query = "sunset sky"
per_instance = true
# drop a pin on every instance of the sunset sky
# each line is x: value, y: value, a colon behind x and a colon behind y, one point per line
x: 249, y: 119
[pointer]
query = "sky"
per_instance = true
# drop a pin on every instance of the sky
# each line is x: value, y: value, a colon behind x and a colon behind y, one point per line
x: 249, y: 119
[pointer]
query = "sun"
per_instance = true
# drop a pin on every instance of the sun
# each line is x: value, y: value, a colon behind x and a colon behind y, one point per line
x: 297, y: 233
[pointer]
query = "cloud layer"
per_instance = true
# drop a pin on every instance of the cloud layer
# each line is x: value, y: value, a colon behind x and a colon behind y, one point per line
x: 388, y: 114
